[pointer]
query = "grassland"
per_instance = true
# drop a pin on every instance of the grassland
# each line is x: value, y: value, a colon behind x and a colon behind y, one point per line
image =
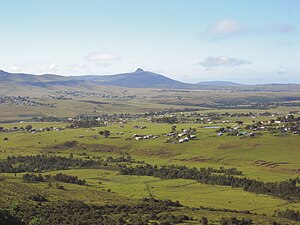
x: 267, y: 158
x: 208, y: 150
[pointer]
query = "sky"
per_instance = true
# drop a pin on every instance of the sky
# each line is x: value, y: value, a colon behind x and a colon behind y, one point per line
x: 245, y: 41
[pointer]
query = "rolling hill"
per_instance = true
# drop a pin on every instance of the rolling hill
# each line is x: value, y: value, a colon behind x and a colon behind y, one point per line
x: 136, y: 79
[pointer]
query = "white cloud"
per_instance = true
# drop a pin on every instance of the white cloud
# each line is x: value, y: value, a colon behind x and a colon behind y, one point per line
x: 102, y: 57
x: 14, y: 69
x: 298, y: 53
x: 282, y: 70
x: 225, y: 27
x: 52, y: 66
x: 225, y: 61
x: 35, y: 67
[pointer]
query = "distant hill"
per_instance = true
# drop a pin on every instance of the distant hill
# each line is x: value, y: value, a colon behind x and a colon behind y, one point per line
x: 37, y: 85
x: 218, y: 83
x: 13, y: 82
x: 34, y: 80
x: 137, y: 79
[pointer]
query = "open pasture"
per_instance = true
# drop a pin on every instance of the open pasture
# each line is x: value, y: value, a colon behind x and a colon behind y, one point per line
x: 267, y: 157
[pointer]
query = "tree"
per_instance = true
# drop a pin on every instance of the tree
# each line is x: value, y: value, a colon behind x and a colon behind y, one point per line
x: 188, y: 136
x: 105, y: 133
x: 7, y: 217
x: 35, y: 221
x: 174, y: 128
x: 204, y: 221
x: 28, y: 127
x: 239, y: 122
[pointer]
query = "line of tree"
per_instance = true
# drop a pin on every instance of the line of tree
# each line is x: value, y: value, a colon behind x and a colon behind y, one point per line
x: 211, y: 209
x: 286, y: 189
x: 289, y: 214
x: 48, y: 178
x: 174, y: 172
x: 77, y: 212
x: 85, y: 123
x: 39, y: 163
x: 165, y: 119
x: 235, y: 221
x: 122, y: 159
x: 228, y: 221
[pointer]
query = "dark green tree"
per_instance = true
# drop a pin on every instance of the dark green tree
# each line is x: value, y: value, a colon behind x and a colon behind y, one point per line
x: 204, y: 221
x: 105, y: 133
x: 28, y: 127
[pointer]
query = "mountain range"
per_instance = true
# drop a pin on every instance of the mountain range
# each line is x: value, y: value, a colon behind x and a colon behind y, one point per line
x: 136, y: 79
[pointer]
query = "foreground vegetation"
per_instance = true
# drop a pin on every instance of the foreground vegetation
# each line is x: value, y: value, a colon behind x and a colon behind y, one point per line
x: 186, y: 165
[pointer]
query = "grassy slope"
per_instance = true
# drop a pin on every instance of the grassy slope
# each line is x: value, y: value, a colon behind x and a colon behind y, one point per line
x: 209, y: 150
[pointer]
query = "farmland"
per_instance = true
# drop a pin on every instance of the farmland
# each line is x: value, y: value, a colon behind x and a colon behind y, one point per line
x: 243, y: 139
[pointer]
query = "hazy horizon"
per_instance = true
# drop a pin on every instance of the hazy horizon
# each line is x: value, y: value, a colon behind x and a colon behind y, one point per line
x: 129, y: 72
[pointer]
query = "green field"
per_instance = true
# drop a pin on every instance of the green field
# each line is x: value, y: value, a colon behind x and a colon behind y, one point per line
x: 278, y: 156
x: 270, y: 156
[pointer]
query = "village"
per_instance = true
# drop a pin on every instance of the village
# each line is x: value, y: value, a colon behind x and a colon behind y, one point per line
x: 19, y: 101
x: 234, y: 125
x: 71, y: 94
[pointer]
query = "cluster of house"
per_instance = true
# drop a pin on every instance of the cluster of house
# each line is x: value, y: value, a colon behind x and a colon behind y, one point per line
x: 144, y: 137
x: 69, y: 94
x: 38, y: 130
x: 105, y: 119
x: 139, y: 127
x: 174, y: 136
x: 10, y: 130
x: 235, y: 132
x: 18, y: 100
x: 183, y: 136
x: 282, y: 124
x: 171, y: 90
x: 213, y: 117
x: 186, y: 139
x: 167, y: 97
x: 59, y: 97
x: 31, y: 130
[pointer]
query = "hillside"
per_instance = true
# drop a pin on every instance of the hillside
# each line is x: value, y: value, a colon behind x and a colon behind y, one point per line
x: 137, y: 79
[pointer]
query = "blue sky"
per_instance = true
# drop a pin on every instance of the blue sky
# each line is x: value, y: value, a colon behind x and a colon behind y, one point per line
x: 247, y: 41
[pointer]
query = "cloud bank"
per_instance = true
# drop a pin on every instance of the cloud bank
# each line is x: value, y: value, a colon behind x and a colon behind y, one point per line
x: 224, y: 61
x: 223, y: 28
